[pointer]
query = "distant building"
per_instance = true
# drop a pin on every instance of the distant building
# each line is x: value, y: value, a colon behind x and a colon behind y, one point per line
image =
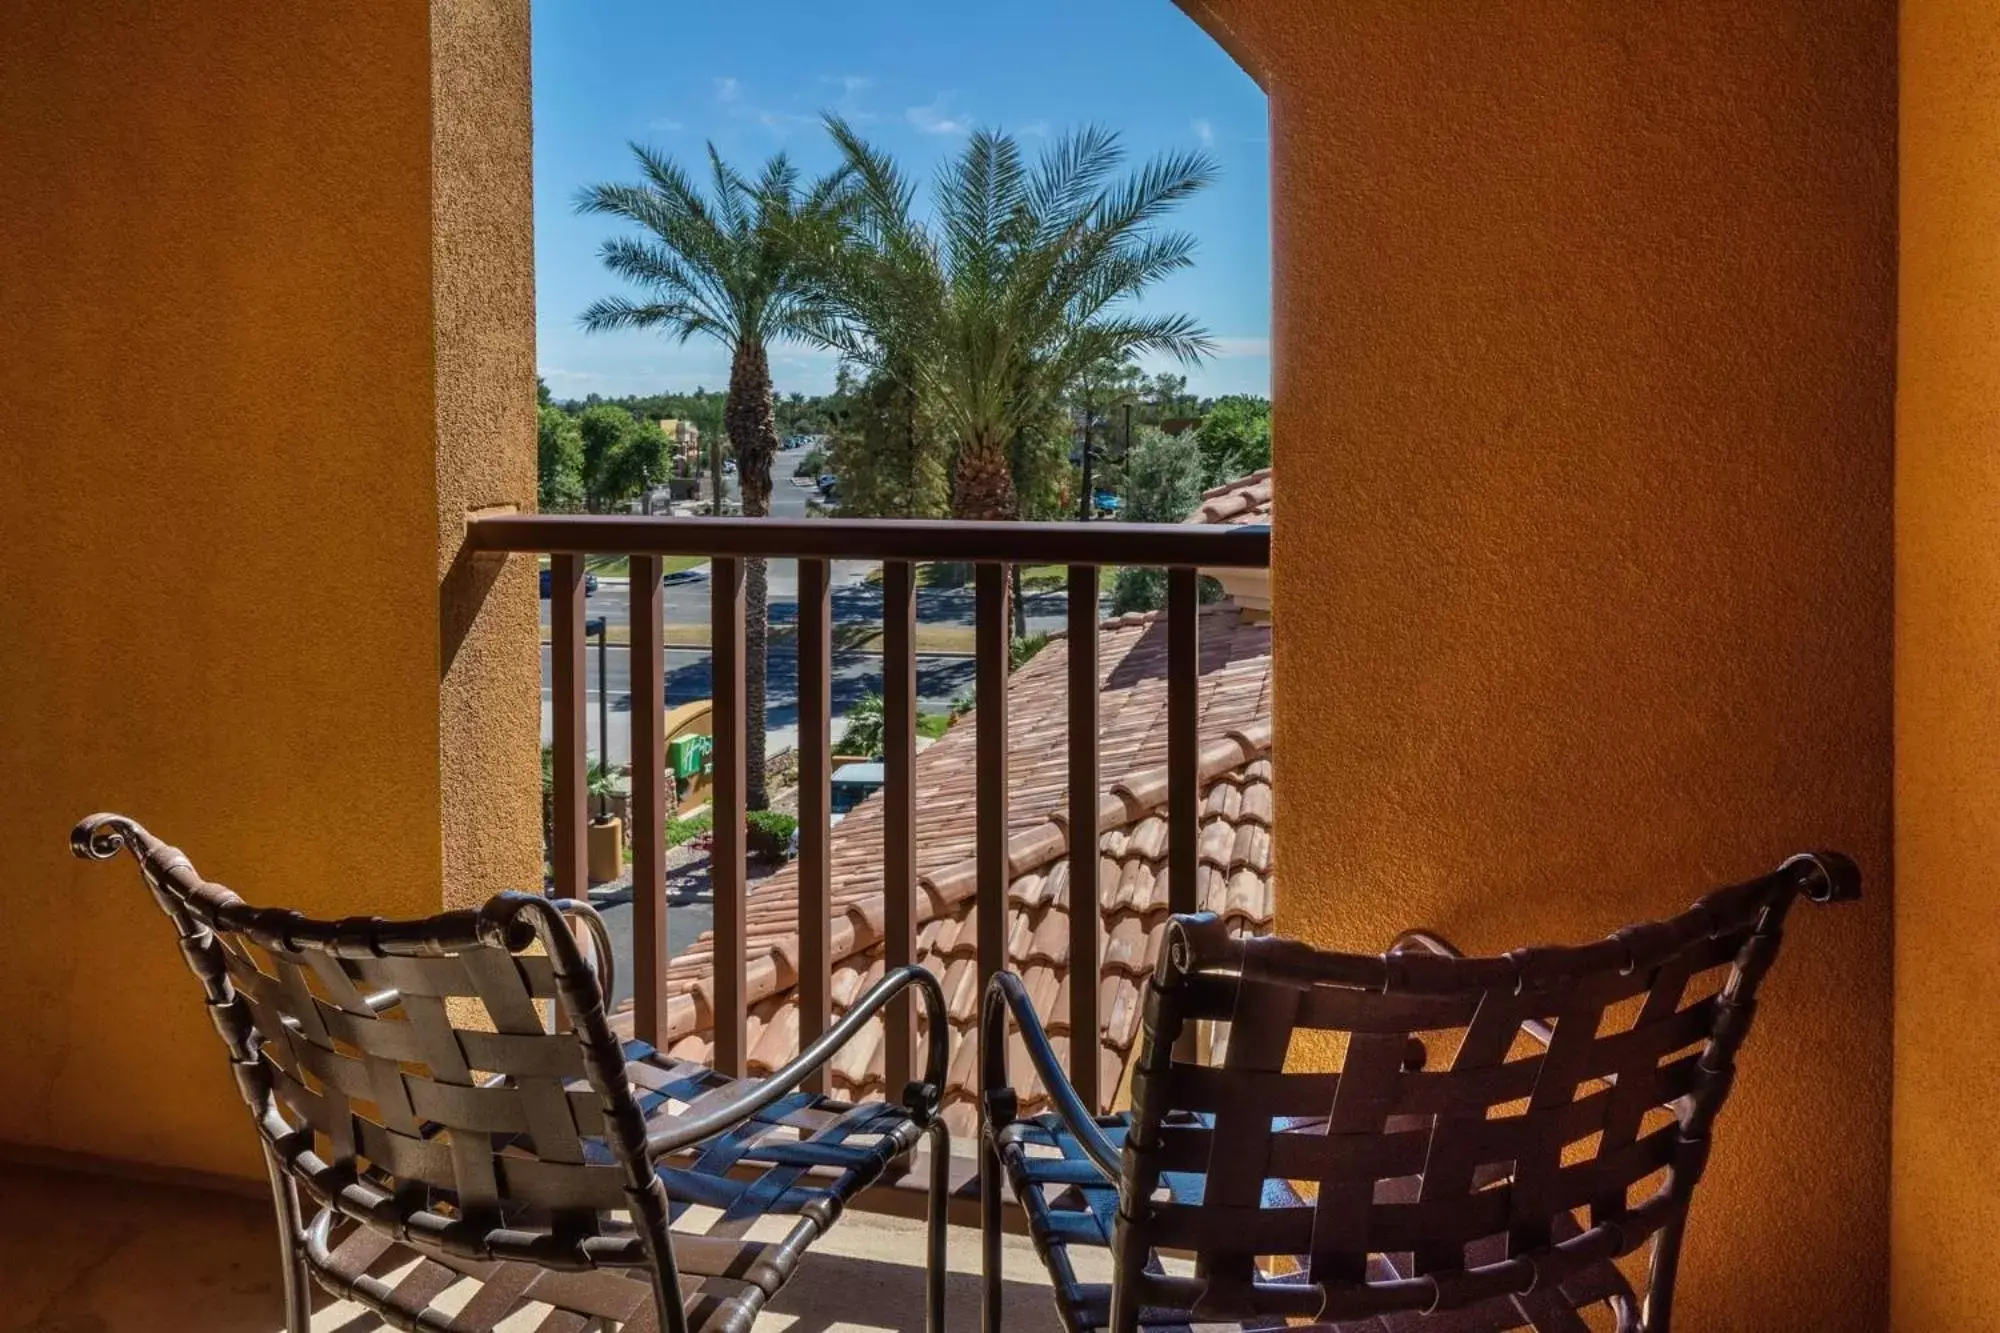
x: 687, y: 442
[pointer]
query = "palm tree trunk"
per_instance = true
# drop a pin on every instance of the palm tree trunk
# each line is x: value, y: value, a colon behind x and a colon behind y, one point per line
x: 983, y: 486
x: 983, y: 491
x: 753, y: 434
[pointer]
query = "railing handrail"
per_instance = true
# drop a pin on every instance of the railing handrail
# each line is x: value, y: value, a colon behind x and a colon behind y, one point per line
x: 1183, y: 545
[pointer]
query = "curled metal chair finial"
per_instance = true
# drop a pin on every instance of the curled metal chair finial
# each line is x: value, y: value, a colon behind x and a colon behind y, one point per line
x: 1826, y: 877
x: 102, y: 836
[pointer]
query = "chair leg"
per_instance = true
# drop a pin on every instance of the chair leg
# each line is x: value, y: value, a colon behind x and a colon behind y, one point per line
x: 990, y: 1185
x: 1124, y: 1309
x: 1658, y: 1315
x: 934, y: 1265
x: 298, y: 1286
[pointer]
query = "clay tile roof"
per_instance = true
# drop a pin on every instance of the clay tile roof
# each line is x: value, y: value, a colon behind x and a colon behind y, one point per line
x: 1244, y: 501
x: 1234, y: 876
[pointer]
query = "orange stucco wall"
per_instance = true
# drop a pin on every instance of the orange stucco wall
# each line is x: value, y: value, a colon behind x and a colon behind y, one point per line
x: 1584, y: 331
x: 254, y: 377
x: 1947, y: 1148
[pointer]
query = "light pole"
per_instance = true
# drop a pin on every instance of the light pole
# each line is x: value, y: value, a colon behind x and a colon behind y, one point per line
x: 595, y: 625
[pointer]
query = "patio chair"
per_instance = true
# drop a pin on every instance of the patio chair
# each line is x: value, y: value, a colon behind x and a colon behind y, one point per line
x: 1500, y: 1132
x: 455, y: 1136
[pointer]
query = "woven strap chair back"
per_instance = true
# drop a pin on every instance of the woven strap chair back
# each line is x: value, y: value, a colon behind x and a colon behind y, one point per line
x: 451, y: 1080
x: 1491, y: 1124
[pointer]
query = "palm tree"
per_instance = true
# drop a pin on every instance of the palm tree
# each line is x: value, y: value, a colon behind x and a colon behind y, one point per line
x: 1020, y: 280
x: 729, y: 265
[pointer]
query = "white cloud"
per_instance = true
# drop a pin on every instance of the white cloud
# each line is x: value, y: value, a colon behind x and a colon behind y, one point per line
x: 1035, y: 129
x: 935, y: 119
x: 1205, y: 131
x: 1235, y: 347
x: 727, y: 90
x: 557, y: 375
x: 1217, y: 376
x: 782, y: 123
x: 848, y: 105
x: 664, y: 126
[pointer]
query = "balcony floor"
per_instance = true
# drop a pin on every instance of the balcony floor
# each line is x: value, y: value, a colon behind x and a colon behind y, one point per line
x: 95, y: 1254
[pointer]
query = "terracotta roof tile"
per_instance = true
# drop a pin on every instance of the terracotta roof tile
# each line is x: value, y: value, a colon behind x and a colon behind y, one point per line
x: 1131, y: 838
x: 1244, y: 501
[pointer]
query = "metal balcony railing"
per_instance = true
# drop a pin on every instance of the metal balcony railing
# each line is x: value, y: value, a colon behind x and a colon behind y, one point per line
x: 991, y: 548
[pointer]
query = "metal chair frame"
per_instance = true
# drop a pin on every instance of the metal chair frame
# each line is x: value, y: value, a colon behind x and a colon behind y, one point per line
x: 1496, y: 1192
x: 523, y: 1156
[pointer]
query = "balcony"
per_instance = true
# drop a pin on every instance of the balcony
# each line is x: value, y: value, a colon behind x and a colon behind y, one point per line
x: 1133, y: 728
x: 1641, y: 531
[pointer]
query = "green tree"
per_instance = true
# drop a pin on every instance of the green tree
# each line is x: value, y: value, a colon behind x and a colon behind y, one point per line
x: 621, y: 454
x: 1167, y: 393
x: 887, y: 456
x: 1098, y: 400
x: 542, y: 395
x: 729, y: 263
x: 559, y: 460
x: 1235, y: 438
x: 1163, y: 484
x: 1019, y: 280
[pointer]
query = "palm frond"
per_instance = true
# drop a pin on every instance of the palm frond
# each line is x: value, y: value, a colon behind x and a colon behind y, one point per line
x: 679, y: 319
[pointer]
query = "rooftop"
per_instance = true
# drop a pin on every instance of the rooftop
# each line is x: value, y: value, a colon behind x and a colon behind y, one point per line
x: 1239, y: 503
x: 1235, y: 864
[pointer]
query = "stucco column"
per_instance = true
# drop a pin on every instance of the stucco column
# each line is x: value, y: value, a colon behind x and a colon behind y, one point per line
x: 1947, y: 1148
x: 1585, y: 326
x: 270, y: 335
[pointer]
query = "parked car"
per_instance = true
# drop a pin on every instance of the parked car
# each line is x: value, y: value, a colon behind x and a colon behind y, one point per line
x: 1106, y: 504
x: 589, y: 584
x: 852, y: 784
x: 826, y: 482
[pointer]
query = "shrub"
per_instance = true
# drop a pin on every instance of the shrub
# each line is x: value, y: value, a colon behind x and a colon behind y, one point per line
x: 1140, y: 589
x: 864, y: 727
x: 814, y: 464
x: 768, y: 833
x: 682, y: 830
x: 1023, y: 649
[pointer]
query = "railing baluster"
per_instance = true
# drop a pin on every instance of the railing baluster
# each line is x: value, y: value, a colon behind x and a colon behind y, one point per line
x: 567, y: 858
x: 991, y: 642
x: 726, y: 869
x: 1183, y: 739
x: 1183, y: 758
x: 1083, y: 858
x: 815, y: 801
x: 899, y: 810
x: 649, y: 802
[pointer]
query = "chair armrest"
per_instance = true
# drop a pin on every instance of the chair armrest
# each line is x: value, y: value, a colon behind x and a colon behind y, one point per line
x: 1411, y: 940
x: 602, y: 962
x: 1005, y: 994
x: 750, y: 1098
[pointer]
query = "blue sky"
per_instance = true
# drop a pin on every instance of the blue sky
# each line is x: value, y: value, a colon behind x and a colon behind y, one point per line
x: 754, y: 75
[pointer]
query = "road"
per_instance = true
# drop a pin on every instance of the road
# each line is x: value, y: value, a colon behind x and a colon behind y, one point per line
x: 687, y: 916
x: 855, y: 599
x: 940, y: 679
